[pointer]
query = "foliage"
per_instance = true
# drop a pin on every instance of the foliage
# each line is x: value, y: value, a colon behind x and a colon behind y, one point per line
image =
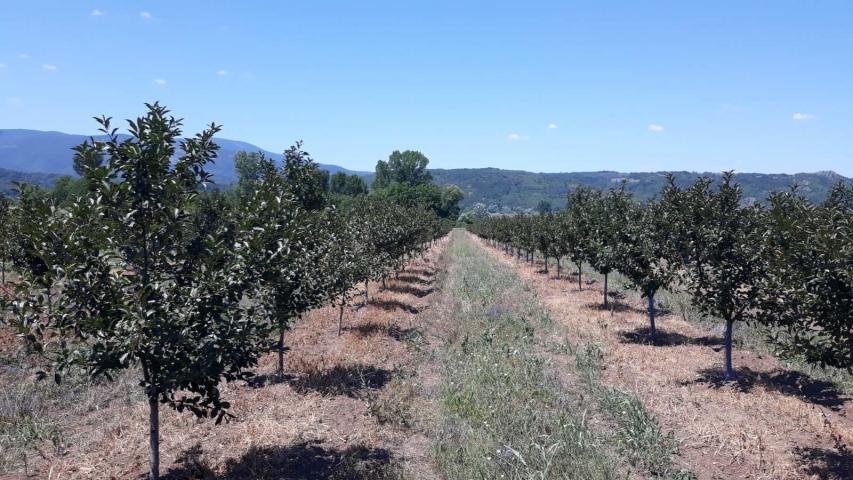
x: 788, y: 267
x: 351, y: 185
x: 646, y: 253
x: 408, y: 167
x: 248, y: 166
x: 110, y: 282
x: 288, y: 244
x: 305, y: 180
x: 808, y: 291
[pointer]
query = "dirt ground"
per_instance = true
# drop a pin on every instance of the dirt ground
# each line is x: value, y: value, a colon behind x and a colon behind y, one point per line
x: 768, y: 424
x: 341, y: 412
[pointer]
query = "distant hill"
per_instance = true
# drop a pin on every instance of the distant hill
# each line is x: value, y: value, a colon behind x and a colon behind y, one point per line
x: 40, y: 157
x: 520, y: 189
x: 33, y: 151
x: 7, y: 177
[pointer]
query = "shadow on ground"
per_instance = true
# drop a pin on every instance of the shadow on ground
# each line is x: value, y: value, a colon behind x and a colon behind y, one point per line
x: 260, y: 381
x: 423, y: 272
x: 411, y: 290
x: 414, y: 279
x: 795, y: 384
x: 390, y: 305
x: 826, y: 464
x: 303, y: 461
x: 393, y: 331
x: 663, y: 338
x: 348, y: 380
x: 614, y: 306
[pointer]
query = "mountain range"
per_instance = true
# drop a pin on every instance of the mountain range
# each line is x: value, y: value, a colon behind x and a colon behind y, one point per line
x: 41, y: 157
x: 39, y: 151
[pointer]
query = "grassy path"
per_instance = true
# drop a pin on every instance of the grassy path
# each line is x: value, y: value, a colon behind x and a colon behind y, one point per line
x: 506, y: 409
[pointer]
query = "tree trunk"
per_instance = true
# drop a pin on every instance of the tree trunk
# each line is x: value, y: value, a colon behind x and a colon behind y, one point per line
x: 580, y: 285
x: 280, y: 369
x: 341, y: 320
x: 558, y: 268
x: 605, y: 291
x: 383, y: 283
x: 728, y: 340
x: 652, y: 327
x: 154, y: 438
x: 3, y: 272
x: 366, y: 299
x: 546, y: 265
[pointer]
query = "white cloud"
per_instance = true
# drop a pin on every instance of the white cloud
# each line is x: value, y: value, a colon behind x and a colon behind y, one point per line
x: 48, y: 66
x: 517, y: 137
x: 159, y: 81
x: 654, y: 127
x: 146, y: 15
x: 222, y: 72
x: 552, y: 126
x: 23, y: 56
x: 803, y: 116
x: 97, y: 13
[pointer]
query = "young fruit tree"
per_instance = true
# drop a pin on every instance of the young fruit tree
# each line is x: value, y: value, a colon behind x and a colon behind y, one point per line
x: 807, y: 293
x: 8, y: 234
x: 646, y: 253
x: 112, y: 285
x: 344, y: 259
x: 608, y: 217
x: 578, y: 227
x: 289, y: 243
x: 726, y: 261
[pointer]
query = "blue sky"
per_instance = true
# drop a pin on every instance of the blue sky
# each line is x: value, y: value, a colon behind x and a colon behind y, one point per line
x: 544, y: 86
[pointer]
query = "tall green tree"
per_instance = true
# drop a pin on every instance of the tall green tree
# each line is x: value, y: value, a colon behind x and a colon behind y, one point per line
x: 352, y: 185
x: 408, y: 167
x: 112, y: 285
x: 249, y: 169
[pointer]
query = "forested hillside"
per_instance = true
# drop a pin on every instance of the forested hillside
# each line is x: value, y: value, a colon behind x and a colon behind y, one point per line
x: 520, y: 189
x: 9, y: 177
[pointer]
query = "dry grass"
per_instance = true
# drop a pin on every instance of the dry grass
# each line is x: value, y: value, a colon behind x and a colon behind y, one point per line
x: 338, y: 414
x: 771, y: 424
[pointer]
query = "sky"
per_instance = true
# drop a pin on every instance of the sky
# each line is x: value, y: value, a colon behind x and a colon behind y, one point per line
x: 754, y: 86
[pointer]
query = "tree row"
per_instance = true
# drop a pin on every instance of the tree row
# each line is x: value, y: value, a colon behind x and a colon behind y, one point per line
x: 786, y: 265
x: 145, y: 269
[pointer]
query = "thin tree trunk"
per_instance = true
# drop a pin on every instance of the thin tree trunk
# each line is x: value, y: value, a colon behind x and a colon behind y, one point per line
x: 728, y: 340
x: 383, y: 283
x: 580, y: 285
x: 605, y: 291
x: 653, y: 328
x: 341, y: 320
x: 3, y: 272
x: 280, y: 370
x: 558, y: 268
x: 366, y: 298
x: 154, y: 438
x: 546, y: 265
